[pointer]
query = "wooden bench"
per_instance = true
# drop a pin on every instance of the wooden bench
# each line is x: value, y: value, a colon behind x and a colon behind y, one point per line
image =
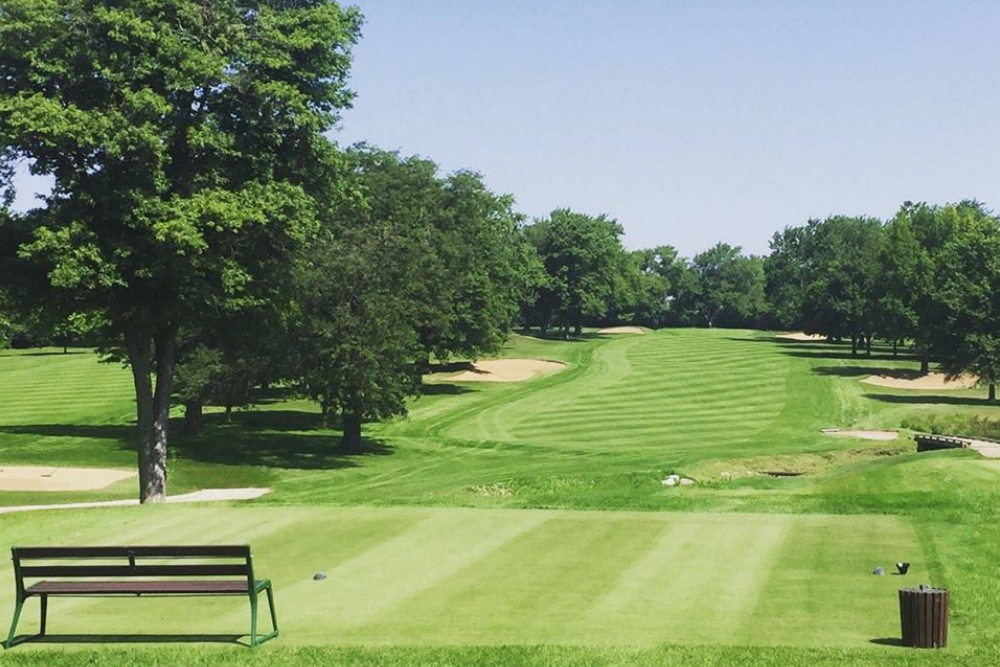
x: 137, y: 571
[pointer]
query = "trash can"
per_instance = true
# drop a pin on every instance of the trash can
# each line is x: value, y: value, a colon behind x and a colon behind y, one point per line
x: 923, y: 613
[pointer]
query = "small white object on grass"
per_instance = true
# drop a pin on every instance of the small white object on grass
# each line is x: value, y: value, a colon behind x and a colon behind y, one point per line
x: 671, y: 480
x: 687, y: 482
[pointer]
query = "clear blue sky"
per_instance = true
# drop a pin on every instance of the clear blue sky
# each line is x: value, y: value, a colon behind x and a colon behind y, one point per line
x: 691, y: 121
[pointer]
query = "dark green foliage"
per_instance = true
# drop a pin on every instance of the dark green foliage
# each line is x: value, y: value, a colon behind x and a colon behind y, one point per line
x: 182, y: 137
x: 721, y: 287
x: 966, y: 298
x: 583, y: 259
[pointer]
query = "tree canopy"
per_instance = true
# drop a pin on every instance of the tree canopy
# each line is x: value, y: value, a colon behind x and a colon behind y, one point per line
x: 181, y: 137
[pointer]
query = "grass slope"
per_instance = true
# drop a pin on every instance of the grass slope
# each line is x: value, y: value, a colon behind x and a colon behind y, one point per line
x: 439, y: 548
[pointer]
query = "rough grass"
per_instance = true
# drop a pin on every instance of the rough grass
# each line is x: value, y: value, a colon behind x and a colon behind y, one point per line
x: 751, y: 570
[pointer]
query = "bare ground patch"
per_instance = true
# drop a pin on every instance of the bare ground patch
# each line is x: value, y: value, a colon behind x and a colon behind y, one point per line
x: 802, y: 337
x: 49, y: 478
x: 926, y: 382
x: 621, y: 330
x: 507, y: 370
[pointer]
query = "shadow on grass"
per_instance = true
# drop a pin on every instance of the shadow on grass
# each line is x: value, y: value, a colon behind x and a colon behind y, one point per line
x: 917, y: 399
x: 443, y: 389
x: 887, y: 641
x: 15, y: 352
x: 846, y: 356
x: 561, y: 337
x: 450, y: 367
x: 856, y: 371
x: 826, y: 350
x: 131, y: 639
x: 275, y: 439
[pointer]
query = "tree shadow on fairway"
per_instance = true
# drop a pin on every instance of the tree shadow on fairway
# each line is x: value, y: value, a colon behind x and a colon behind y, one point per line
x: 560, y: 337
x: 132, y: 639
x: 259, y: 420
x: 857, y: 371
x: 931, y: 399
x: 823, y: 350
x: 275, y: 439
x: 844, y: 356
x: 450, y: 367
x: 117, y: 432
x: 443, y: 389
x: 257, y: 440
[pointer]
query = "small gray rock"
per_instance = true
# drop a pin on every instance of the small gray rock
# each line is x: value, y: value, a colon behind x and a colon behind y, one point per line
x: 319, y: 576
x: 878, y: 571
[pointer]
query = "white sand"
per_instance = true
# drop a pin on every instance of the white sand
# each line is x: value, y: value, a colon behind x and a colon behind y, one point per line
x: 802, y: 337
x: 507, y: 370
x: 48, y: 478
x: 205, y: 495
x: 931, y: 381
x: 866, y: 435
x: 621, y: 330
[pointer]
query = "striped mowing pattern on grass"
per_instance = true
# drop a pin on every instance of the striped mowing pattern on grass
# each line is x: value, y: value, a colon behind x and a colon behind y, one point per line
x: 442, y: 576
x: 667, y: 389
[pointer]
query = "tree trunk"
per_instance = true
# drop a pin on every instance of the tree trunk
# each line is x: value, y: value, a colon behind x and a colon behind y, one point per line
x: 229, y: 413
x: 578, y: 328
x: 193, y: 413
x: 164, y: 345
x: 868, y: 345
x: 992, y: 398
x: 352, y: 431
x: 152, y: 411
x: 925, y: 365
x: 854, y: 345
x: 895, y: 347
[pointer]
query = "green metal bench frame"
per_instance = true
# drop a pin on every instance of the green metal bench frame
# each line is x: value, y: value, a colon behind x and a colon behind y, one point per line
x: 157, y: 579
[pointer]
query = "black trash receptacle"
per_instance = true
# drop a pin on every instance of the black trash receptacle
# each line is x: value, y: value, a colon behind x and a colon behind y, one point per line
x: 923, y: 613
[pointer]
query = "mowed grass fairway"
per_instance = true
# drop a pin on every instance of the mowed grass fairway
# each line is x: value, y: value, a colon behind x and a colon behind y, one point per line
x: 526, y: 523
x: 460, y: 576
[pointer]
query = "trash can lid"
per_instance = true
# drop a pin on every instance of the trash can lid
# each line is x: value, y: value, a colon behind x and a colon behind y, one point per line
x: 924, y: 589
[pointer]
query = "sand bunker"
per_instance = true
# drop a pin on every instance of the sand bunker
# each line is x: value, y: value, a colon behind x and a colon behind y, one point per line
x: 802, y: 337
x: 47, y: 478
x: 621, y: 330
x: 930, y: 381
x: 866, y: 435
x: 507, y: 370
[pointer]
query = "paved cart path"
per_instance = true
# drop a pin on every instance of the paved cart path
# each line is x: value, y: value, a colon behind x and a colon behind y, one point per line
x: 205, y: 495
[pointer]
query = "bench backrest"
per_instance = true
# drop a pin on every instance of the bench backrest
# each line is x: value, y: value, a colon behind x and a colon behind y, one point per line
x: 44, y: 562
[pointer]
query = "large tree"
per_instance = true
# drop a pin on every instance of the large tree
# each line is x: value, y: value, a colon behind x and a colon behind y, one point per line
x: 583, y: 257
x: 181, y: 137
x: 463, y: 262
x: 966, y: 301
x: 722, y: 287
x: 839, y: 299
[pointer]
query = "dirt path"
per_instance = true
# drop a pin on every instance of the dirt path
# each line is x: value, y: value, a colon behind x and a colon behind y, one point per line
x: 205, y: 495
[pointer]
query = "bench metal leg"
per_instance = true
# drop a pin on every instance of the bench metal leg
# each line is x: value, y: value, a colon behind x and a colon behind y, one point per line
x: 13, y: 625
x: 270, y: 605
x: 44, y: 614
x: 256, y: 640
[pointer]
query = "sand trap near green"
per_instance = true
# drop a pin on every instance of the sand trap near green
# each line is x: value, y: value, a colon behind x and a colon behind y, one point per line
x: 437, y: 576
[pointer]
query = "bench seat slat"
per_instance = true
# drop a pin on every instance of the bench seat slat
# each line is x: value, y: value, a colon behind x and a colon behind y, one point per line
x: 198, y: 587
x: 223, y: 570
x: 165, y: 551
